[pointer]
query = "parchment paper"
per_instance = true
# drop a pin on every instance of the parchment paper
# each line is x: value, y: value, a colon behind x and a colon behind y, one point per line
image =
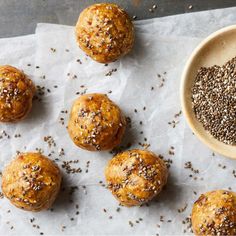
x: 161, y: 49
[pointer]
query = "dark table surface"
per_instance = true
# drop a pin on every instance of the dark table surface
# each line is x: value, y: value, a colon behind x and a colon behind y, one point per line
x: 19, y: 17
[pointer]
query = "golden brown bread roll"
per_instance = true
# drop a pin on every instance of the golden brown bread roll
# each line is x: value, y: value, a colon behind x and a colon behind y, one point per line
x: 136, y: 176
x: 31, y: 181
x: 104, y: 32
x: 214, y: 213
x: 96, y: 123
x: 16, y: 93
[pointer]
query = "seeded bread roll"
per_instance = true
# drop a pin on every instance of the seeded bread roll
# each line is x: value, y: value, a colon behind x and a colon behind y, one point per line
x: 104, y: 32
x: 214, y: 213
x: 16, y: 93
x: 96, y: 123
x: 136, y: 176
x: 31, y: 182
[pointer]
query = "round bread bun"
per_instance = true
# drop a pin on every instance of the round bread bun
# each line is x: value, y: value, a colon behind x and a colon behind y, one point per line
x: 96, y: 123
x: 16, y: 94
x: 214, y: 213
x: 31, y: 182
x: 104, y: 32
x: 136, y: 176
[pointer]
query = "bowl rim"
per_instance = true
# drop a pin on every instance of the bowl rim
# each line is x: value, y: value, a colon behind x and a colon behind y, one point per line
x: 183, y: 83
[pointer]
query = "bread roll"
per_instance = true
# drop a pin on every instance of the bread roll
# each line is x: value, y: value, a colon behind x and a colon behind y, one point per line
x: 31, y: 181
x: 96, y: 123
x: 16, y: 93
x: 104, y: 32
x: 214, y: 213
x: 136, y: 176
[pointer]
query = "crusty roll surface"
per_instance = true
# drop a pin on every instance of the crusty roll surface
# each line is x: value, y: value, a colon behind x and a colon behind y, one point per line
x: 96, y: 123
x: 214, y: 213
x: 136, y: 176
x: 104, y: 32
x: 31, y: 181
x: 16, y: 94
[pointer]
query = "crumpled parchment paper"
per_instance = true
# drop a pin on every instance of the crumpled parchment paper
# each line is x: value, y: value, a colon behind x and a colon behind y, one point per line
x: 147, y: 80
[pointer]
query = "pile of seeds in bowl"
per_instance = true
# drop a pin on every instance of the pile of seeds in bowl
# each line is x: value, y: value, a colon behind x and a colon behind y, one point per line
x: 214, y: 100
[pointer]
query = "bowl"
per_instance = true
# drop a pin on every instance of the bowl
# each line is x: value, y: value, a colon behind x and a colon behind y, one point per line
x: 216, y: 49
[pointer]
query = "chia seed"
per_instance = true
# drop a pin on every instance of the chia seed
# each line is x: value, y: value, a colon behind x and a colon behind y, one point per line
x: 213, y: 100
